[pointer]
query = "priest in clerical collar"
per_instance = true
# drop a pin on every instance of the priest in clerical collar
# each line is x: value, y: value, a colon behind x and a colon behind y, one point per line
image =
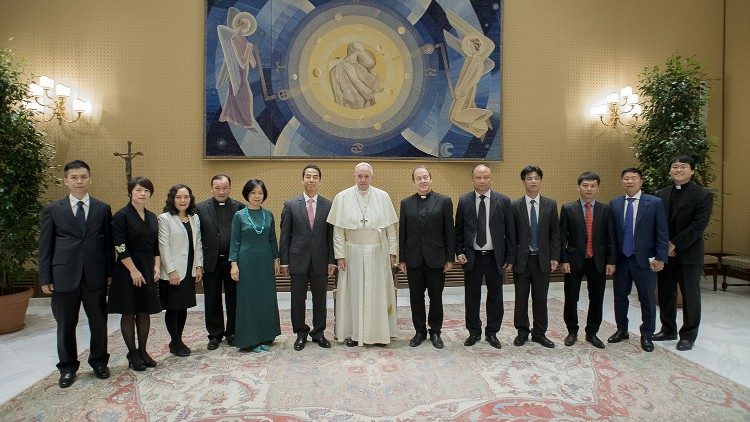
x: 366, y: 249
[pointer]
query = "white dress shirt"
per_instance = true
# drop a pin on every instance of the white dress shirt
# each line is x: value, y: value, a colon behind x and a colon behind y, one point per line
x: 74, y: 204
x: 487, y: 246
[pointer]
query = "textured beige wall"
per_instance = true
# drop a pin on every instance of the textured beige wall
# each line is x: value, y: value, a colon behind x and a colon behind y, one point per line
x: 142, y: 64
x: 736, y: 210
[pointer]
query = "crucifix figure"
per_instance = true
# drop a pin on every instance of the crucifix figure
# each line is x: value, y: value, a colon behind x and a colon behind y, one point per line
x: 128, y: 160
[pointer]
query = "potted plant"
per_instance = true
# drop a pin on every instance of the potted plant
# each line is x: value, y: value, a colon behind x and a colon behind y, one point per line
x: 25, y: 160
x: 675, y: 121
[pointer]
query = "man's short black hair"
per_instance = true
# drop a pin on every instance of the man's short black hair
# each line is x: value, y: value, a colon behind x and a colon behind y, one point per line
x: 219, y: 177
x: 686, y: 159
x: 314, y: 167
x: 421, y: 166
x: 632, y: 170
x: 252, y: 184
x: 140, y: 181
x: 531, y: 169
x: 76, y: 164
x: 588, y: 176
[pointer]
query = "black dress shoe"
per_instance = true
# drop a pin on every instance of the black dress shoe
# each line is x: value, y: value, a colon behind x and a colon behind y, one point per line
x: 471, y: 340
x: 179, y: 349
x: 101, y: 371
x: 136, y: 362
x: 543, y: 340
x: 299, y: 344
x: 67, y: 379
x: 436, y: 340
x: 684, y: 345
x: 662, y: 336
x: 322, y: 342
x: 647, y: 345
x: 417, y: 339
x: 350, y: 343
x: 493, y: 341
x: 520, y: 340
x: 595, y: 341
x: 618, y: 336
x: 230, y: 340
x: 571, y: 339
x: 147, y: 360
x: 213, y: 343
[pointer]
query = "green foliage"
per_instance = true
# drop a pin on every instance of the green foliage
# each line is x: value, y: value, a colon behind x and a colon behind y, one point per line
x: 25, y: 160
x: 675, y: 121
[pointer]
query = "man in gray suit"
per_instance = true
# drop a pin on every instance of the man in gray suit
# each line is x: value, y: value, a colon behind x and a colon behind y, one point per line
x: 76, y: 256
x: 426, y: 248
x: 537, y: 252
x: 306, y: 255
x: 216, y: 214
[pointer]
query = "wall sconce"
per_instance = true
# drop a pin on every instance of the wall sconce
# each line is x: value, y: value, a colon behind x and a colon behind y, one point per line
x: 619, y: 107
x: 43, y: 104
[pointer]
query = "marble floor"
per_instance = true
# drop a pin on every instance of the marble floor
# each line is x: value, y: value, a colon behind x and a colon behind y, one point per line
x: 723, y: 344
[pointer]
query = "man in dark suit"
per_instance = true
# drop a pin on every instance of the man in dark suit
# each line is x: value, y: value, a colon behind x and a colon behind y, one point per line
x: 586, y: 248
x: 76, y: 256
x: 641, y: 242
x: 485, y: 240
x: 216, y: 214
x: 688, y: 206
x: 537, y: 252
x: 426, y: 249
x: 306, y: 255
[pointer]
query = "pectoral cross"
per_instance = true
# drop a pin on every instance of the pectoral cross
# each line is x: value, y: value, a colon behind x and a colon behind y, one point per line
x: 128, y: 160
x: 363, y: 220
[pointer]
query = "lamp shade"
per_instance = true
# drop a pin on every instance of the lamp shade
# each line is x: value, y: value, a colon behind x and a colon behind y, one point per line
x: 62, y: 90
x: 46, y: 82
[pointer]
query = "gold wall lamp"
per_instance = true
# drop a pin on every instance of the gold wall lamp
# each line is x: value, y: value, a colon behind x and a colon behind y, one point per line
x: 46, y: 107
x: 622, y: 109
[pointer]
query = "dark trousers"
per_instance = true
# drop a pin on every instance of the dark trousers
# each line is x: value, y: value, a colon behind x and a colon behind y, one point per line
x: 484, y: 267
x: 318, y: 286
x: 536, y: 281
x: 65, y: 308
x: 687, y: 276
x: 595, y: 282
x: 423, y: 278
x: 627, y: 273
x: 212, y: 287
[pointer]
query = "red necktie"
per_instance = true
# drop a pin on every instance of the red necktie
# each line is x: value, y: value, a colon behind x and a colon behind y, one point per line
x: 310, y: 212
x: 589, y: 231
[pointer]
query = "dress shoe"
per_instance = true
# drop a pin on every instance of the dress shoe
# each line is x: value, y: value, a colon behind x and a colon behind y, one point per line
x: 520, y: 340
x: 543, y: 340
x: 322, y: 342
x: 147, y: 360
x: 136, y: 362
x: 571, y: 339
x: 493, y: 341
x: 213, y: 343
x: 436, y: 340
x: 662, y: 336
x: 257, y: 349
x: 647, y: 345
x: 265, y: 347
x: 179, y: 349
x: 417, y: 339
x: 595, y: 341
x: 230, y: 339
x: 618, y: 336
x: 683, y: 345
x: 350, y: 343
x: 299, y: 344
x: 101, y: 371
x: 67, y: 379
x: 471, y: 340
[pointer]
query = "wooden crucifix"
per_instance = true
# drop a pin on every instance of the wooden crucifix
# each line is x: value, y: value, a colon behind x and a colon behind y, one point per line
x: 128, y: 160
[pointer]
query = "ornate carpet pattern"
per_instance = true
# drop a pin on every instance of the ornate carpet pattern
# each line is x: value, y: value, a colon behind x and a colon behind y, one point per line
x: 396, y: 382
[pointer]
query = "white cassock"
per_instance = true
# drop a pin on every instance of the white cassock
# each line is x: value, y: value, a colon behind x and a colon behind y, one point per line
x: 364, y: 233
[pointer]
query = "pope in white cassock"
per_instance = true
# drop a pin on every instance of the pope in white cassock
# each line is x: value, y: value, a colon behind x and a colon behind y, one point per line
x: 366, y: 248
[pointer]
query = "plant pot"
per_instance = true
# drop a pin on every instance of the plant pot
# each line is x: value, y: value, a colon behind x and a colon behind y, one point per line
x: 14, y: 308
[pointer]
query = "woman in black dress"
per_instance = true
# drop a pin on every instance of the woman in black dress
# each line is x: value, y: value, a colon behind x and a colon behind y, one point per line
x: 181, y: 253
x: 134, y: 292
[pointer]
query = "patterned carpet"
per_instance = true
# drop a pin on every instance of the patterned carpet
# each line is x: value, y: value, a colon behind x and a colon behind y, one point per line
x: 396, y: 382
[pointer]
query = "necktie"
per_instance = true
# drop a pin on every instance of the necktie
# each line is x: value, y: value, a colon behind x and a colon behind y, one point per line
x: 534, y: 243
x: 482, y: 222
x: 589, y: 231
x: 628, y: 245
x: 81, y: 215
x: 310, y: 212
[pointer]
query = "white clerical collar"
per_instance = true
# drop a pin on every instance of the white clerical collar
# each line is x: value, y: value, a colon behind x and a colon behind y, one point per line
x: 74, y: 201
x: 307, y: 198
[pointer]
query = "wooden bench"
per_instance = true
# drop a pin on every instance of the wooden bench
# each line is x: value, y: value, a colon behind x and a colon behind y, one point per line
x: 737, y: 266
x: 711, y: 267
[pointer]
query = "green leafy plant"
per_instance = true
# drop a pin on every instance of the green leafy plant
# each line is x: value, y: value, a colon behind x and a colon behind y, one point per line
x: 674, y: 112
x: 25, y: 160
